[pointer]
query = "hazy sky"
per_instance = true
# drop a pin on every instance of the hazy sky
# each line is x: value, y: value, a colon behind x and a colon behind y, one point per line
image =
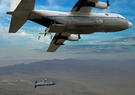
x: 24, y: 46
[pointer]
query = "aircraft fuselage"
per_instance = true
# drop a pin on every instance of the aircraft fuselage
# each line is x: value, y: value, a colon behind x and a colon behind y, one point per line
x: 85, y: 23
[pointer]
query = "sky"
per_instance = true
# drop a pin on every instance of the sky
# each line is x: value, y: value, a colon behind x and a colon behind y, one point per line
x: 24, y: 47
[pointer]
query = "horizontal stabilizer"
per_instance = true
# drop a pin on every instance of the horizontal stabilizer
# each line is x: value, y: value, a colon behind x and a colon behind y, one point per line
x: 17, y: 22
x: 21, y: 14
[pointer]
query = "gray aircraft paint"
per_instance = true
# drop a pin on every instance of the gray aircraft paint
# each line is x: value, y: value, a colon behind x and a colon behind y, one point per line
x: 83, y: 24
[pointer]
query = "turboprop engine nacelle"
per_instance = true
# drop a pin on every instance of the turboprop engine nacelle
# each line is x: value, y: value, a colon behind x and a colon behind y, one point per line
x: 73, y: 37
x: 101, y: 5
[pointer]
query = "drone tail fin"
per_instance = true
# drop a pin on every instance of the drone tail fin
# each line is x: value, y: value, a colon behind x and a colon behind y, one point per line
x: 35, y: 86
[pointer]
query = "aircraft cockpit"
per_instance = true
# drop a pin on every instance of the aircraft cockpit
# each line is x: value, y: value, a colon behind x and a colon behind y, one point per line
x: 114, y: 15
x: 120, y: 16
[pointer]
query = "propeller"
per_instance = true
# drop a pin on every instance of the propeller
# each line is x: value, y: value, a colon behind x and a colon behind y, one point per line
x: 45, y: 34
x: 108, y: 3
x: 39, y: 37
x: 79, y: 36
x: 108, y: 6
x: 47, y: 31
x: 51, y: 36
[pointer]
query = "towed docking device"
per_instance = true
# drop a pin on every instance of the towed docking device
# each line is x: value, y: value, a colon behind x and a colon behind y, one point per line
x: 44, y: 83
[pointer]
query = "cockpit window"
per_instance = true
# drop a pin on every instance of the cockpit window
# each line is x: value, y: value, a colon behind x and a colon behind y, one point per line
x: 107, y: 14
x: 121, y: 17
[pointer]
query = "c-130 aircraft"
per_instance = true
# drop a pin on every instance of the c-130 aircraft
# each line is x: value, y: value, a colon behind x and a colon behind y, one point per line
x: 67, y: 25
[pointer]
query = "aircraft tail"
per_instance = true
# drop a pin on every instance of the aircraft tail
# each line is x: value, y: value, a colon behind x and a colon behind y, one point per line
x: 35, y: 86
x: 21, y: 10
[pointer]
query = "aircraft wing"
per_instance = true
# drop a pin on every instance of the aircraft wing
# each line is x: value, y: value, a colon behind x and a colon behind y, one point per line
x: 84, y: 6
x: 57, y: 41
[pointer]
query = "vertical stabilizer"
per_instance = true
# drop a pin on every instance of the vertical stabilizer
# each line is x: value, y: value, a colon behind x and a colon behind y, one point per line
x: 36, y: 84
x: 20, y: 14
x: 14, y: 4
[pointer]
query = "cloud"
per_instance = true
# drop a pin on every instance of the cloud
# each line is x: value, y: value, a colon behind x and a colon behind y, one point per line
x: 123, y: 41
x: 22, y: 38
x: 4, y: 5
x: 5, y: 35
x: 115, y: 41
x: 54, y: 5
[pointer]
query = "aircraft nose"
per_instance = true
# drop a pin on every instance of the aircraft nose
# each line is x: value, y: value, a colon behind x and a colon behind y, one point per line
x: 130, y: 24
x: 54, y: 83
